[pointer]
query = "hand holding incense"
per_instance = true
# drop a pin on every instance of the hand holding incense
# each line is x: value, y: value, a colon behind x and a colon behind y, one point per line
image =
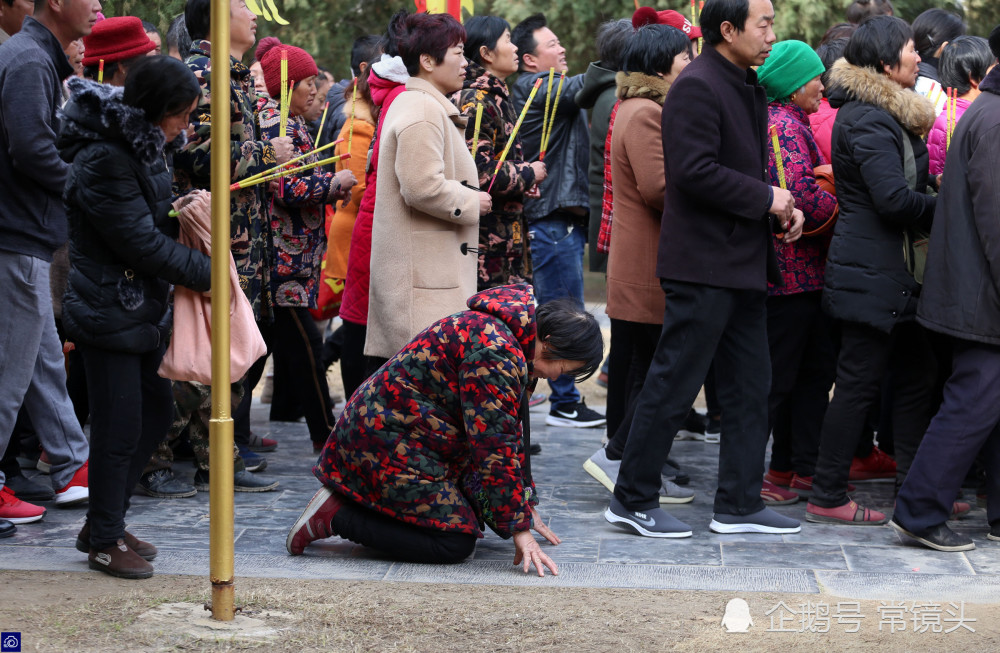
x: 513, y: 134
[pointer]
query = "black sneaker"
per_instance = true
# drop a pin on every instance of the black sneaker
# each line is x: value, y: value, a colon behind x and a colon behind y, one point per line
x: 28, y: 490
x: 162, y: 484
x: 7, y: 529
x: 940, y: 537
x: 252, y: 461
x: 654, y: 522
x: 243, y: 481
x: 575, y: 415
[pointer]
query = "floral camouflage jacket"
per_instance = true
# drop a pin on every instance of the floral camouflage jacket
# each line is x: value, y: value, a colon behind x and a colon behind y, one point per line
x: 249, y: 155
x: 434, y: 438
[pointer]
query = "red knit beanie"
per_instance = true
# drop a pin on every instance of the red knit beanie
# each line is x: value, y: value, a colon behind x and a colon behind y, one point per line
x: 300, y: 66
x: 116, y: 39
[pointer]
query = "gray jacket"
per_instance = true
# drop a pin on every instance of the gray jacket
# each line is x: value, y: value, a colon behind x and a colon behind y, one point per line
x: 567, y: 155
x: 32, y: 176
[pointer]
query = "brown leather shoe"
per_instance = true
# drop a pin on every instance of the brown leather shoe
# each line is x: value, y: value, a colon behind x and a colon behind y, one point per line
x: 121, y: 561
x: 144, y: 550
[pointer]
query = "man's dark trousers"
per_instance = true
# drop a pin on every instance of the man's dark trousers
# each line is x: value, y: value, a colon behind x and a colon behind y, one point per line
x: 966, y: 423
x: 701, y: 323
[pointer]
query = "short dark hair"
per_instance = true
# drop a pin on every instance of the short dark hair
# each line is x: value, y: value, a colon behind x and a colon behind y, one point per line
x: 612, y: 37
x: 878, y: 42
x: 177, y: 36
x: 859, y: 10
x: 110, y: 68
x: 828, y: 53
x: 161, y: 86
x: 932, y: 28
x: 149, y: 28
x: 431, y: 34
x: 838, y: 31
x: 995, y: 41
x: 571, y: 334
x: 480, y: 31
x: 717, y: 12
x: 523, y: 36
x: 365, y: 48
x: 652, y: 49
x: 964, y: 57
x: 197, y: 18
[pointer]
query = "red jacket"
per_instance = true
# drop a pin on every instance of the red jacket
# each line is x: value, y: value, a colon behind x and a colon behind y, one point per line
x: 822, y: 127
x: 354, y: 306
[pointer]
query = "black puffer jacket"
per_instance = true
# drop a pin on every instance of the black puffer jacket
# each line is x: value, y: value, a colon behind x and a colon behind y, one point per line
x: 122, y: 243
x: 866, y: 276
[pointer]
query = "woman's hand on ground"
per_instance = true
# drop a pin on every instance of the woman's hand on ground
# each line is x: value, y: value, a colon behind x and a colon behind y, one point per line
x: 542, y: 529
x: 528, y: 552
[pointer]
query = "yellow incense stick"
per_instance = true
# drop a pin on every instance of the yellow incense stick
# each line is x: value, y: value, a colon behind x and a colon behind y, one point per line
x: 322, y: 121
x: 350, y: 130
x: 277, y: 168
x: 513, y: 134
x: 552, y: 119
x: 100, y: 72
x: 545, y: 115
x: 779, y: 164
x: 283, y: 100
x: 475, y: 132
x: 285, y: 173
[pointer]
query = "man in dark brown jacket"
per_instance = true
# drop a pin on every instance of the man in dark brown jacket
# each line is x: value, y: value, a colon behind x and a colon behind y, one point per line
x: 715, y: 258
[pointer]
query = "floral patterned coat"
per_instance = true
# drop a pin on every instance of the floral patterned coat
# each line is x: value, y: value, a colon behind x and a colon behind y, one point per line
x: 504, y: 257
x: 433, y: 438
x: 298, y: 223
x: 249, y: 223
x: 803, y: 262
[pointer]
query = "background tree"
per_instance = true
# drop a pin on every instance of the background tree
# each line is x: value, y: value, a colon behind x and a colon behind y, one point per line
x: 327, y: 28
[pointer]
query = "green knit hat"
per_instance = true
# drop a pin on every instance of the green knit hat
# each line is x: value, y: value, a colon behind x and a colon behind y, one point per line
x: 789, y: 67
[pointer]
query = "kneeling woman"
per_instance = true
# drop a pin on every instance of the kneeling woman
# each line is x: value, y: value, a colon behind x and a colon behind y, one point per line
x: 430, y: 449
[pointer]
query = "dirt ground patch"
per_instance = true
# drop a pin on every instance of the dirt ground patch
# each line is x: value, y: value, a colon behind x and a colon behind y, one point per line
x: 92, y: 612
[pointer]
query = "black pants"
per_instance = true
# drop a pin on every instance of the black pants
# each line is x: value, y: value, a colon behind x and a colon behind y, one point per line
x: 297, y: 347
x: 803, y: 366
x: 400, y: 540
x: 966, y: 424
x: 699, y: 323
x: 241, y: 415
x: 865, y: 355
x: 131, y: 408
x: 626, y: 377
x: 352, y: 357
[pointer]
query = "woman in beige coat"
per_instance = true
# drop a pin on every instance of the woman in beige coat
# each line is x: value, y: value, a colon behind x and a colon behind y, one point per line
x: 427, y: 205
x: 652, y: 59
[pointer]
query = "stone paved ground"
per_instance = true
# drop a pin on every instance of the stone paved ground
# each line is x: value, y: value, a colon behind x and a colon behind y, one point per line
x: 856, y: 562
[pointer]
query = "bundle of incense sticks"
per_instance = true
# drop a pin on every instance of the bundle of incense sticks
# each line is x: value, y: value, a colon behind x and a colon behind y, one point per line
x: 290, y: 161
x: 513, y: 134
x: 547, y: 130
x: 777, y: 157
x: 951, y: 116
x: 322, y: 121
x: 350, y: 130
x: 278, y: 175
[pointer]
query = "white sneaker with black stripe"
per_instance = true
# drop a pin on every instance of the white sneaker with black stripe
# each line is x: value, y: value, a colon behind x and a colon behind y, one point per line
x: 575, y: 415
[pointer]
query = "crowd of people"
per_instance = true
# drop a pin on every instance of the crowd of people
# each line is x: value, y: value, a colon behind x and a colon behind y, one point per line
x: 807, y: 235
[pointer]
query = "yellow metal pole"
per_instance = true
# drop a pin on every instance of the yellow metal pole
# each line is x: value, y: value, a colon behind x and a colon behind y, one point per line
x: 221, y: 426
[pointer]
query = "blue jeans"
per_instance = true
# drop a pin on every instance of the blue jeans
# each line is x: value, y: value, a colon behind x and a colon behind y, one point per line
x: 557, y: 261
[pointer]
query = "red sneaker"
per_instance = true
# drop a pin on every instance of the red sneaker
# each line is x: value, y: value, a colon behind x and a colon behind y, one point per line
x: 776, y: 496
x: 16, y: 511
x: 76, y: 491
x: 877, y: 465
x: 850, y: 514
x: 781, y: 479
x: 315, y: 522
